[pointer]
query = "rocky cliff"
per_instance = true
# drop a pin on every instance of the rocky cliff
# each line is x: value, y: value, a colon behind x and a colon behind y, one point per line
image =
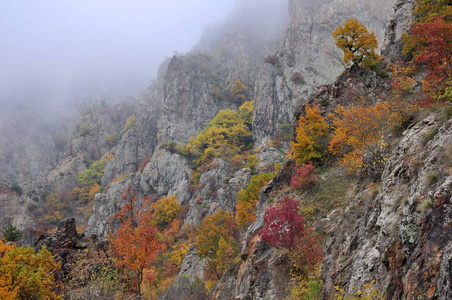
x: 395, y: 231
x: 399, y: 234
x: 307, y: 57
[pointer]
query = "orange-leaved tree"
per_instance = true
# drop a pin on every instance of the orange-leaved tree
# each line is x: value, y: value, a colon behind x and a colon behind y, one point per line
x: 357, y: 129
x: 216, y: 240
x: 247, y: 199
x: 135, y: 244
x: 310, y: 142
x: 357, y: 43
x: 25, y: 274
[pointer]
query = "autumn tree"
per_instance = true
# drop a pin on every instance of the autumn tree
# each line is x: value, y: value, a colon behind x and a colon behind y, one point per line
x: 283, y: 226
x: 357, y: 129
x: 304, y: 177
x: 310, y: 142
x: 164, y: 211
x: 92, y: 175
x: 429, y: 42
x: 225, y: 135
x: 238, y: 89
x: 247, y: 199
x: 216, y: 240
x: 357, y: 43
x: 25, y: 274
x: 135, y: 244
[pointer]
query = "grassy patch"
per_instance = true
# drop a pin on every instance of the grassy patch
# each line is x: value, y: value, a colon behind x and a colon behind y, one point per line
x: 425, y: 205
x: 431, y: 178
x: 429, y: 135
x: 330, y: 193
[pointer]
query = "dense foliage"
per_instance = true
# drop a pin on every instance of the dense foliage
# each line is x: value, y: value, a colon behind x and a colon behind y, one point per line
x: 357, y: 43
x: 92, y: 175
x: 310, y: 142
x: 25, y: 274
x: 164, y: 211
x: 283, y: 225
x: 429, y: 42
x: 247, y: 199
x: 135, y: 244
x: 216, y: 240
x: 12, y: 234
x: 228, y: 134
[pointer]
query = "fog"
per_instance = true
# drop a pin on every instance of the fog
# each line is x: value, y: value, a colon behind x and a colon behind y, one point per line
x: 57, y: 52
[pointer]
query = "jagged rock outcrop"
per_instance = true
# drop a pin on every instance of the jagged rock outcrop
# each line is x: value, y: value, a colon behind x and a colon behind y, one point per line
x: 400, y: 23
x: 16, y: 209
x: 64, y: 244
x: 400, y: 236
x: 98, y: 122
x: 189, y: 80
x: 107, y: 204
x: 167, y: 173
x: 63, y: 177
x: 308, y: 50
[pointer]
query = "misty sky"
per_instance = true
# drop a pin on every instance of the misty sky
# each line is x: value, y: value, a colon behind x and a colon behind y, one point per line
x: 58, y: 50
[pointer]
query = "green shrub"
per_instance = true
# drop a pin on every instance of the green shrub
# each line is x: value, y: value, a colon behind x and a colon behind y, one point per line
x: 432, y: 178
x: 130, y: 123
x: 425, y: 205
x: 92, y: 175
x: 380, y: 71
x: 12, y: 234
x: 111, y: 139
x: 85, y: 130
x: 15, y: 187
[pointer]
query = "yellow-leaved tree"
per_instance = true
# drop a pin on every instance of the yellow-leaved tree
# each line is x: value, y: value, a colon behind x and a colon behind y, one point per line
x: 247, y: 199
x: 310, y: 142
x: 164, y: 211
x: 217, y: 240
x: 25, y: 274
x: 357, y: 43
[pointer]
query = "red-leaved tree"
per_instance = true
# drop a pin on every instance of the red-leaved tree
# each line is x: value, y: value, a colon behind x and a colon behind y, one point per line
x: 430, y: 43
x: 283, y: 226
x: 304, y: 177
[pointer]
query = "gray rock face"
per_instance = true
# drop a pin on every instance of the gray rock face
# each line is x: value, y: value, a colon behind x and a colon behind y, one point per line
x: 168, y: 174
x: 98, y: 122
x: 268, y: 157
x: 399, y: 24
x: 64, y: 176
x: 126, y: 157
x: 187, y: 103
x: 15, y: 209
x: 402, y: 234
x: 211, y: 195
x: 108, y: 204
x: 308, y: 49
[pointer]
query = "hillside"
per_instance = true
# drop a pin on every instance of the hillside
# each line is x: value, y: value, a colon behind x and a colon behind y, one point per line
x: 261, y: 166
